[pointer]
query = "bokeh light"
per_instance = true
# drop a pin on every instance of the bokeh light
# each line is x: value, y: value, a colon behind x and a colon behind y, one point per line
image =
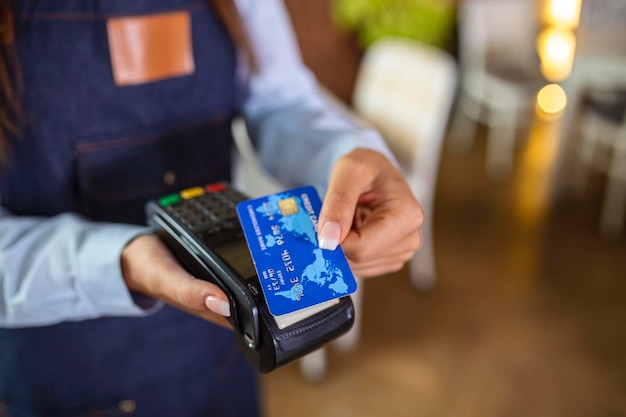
x: 562, y: 13
x: 551, y: 101
x: 556, y: 48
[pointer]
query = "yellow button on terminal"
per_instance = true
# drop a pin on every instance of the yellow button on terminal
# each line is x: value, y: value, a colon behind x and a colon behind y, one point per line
x: 192, y: 192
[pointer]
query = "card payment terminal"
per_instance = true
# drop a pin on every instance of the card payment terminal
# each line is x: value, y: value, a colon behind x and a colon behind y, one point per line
x: 201, y: 227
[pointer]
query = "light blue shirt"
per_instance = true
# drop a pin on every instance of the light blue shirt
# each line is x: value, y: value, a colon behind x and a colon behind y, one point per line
x: 68, y: 268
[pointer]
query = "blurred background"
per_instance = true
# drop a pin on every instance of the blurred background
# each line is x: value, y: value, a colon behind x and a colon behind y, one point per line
x: 508, y: 116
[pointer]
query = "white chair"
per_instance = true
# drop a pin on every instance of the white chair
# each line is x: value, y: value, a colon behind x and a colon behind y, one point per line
x: 608, y: 136
x: 591, y: 139
x: 500, y: 77
x: 593, y: 136
x: 404, y: 89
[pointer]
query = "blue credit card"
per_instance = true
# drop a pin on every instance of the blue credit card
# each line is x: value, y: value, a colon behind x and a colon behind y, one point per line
x: 281, y: 231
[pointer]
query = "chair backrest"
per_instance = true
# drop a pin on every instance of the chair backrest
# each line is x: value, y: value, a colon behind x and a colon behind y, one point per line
x: 406, y: 90
x: 498, y: 29
x: 600, y: 60
x: 602, y: 28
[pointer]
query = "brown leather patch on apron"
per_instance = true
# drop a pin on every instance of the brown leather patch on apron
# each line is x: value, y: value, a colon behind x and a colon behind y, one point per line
x: 150, y: 47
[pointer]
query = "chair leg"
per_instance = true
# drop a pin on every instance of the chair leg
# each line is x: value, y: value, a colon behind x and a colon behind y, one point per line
x: 586, y: 154
x: 501, y: 144
x: 580, y: 176
x: 612, y: 216
x: 349, y: 340
x: 313, y: 365
x: 422, y: 265
x: 463, y: 127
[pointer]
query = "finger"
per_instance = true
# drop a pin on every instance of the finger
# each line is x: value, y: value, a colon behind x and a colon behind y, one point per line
x: 150, y: 268
x: 347, y: 183
x: 359, y: 247
x: 198, y: 295
x: 180, y: 288
x: 379, y: 236
x: 201, y: 298
x: 377, y: 270
x: 397, y: 258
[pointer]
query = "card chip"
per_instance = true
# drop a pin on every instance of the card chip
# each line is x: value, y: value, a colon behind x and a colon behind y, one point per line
x: 288, y: 206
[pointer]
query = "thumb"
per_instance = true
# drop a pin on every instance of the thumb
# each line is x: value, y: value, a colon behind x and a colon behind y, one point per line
x: 339, y: 207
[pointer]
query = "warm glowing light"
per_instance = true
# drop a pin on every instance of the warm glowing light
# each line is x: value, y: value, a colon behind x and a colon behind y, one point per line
x: 562, y: 13
x: 551, y: 100
x: 556, y: 49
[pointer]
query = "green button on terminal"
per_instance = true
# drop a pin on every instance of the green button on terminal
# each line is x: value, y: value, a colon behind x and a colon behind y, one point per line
x: 169, y: 200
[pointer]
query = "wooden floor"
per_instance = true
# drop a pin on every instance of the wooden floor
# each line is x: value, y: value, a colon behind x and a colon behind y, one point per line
x: 528, y: 316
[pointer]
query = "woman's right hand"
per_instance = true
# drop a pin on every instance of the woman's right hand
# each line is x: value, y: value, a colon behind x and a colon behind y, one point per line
x: 150, y: 268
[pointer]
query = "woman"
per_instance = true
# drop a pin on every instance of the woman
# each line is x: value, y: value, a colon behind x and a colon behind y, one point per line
x: 110, y: 103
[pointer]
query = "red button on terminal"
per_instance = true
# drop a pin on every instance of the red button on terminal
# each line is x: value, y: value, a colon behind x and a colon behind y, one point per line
x: 212, y: 188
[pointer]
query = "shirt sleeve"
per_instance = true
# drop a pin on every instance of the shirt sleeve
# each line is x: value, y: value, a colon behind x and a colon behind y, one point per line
x: 62, y: 268
x: 299, y: 133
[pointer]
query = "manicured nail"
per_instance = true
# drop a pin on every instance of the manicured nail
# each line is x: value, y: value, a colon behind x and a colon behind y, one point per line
x: 329, y: 236
x: 217, y: 305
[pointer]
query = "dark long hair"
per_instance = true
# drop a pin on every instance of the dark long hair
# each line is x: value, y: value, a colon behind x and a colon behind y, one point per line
x: 10, y: 81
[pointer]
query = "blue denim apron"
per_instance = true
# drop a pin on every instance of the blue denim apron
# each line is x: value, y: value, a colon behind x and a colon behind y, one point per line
x: 101, y: 150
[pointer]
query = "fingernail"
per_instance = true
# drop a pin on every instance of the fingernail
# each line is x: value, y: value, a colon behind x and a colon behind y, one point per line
x: 217, y: 305
x: 329, y: 236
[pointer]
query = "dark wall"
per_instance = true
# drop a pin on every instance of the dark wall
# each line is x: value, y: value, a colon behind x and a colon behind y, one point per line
x: 330, y: 52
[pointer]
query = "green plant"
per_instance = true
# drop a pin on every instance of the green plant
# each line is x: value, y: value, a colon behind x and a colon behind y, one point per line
x: 428, y: 21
